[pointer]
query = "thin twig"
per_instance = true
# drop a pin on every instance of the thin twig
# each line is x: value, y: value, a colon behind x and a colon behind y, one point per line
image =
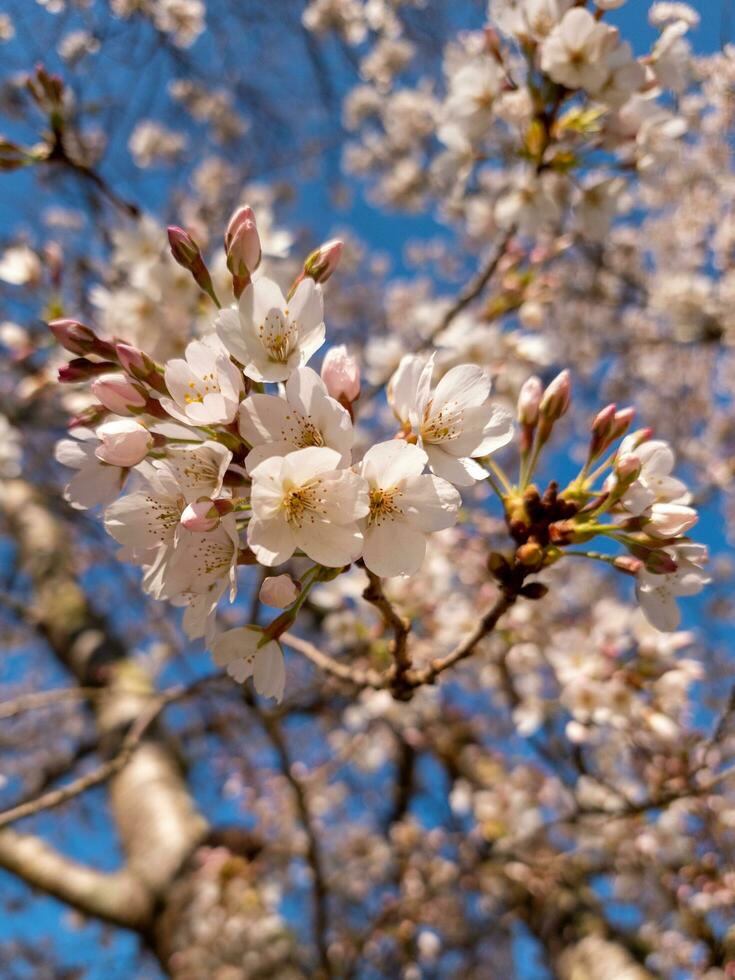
x: 401, y: 627
x: 353, y: 675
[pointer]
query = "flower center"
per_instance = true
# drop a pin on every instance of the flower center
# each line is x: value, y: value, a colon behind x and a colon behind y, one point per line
x: 302, y: 503
x: 278, y: 335
x: 207, y: 384
x: 447, y: 423
x: 382, y: 505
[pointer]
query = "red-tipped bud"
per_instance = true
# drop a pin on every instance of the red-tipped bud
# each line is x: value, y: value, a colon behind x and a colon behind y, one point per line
x: 81, y: 369
x: 622, y: 421
x: 80, y: 339
x: 89, y: 418
x: 119, y: 394
x: 627, y: 469
x: 556, y: 398
x: 659, y: 562
x: 323, y: 261
x: 183, y: 247
x: 186, y: 252
x: 341, y: 375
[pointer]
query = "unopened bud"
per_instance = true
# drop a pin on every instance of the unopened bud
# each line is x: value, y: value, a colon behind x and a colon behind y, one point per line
x: 659, y: 563
x: 534, y: 590
x: 12, y: 156
x: 200, y: 516
x: 123, y: 442
x: 529, y: 400
x: 279, y: 591
x: 82, y: 369
x: 341, y: 375
x: 627, y: 469
x: 530, y: 553
x: 119, y: 394
x: 186, y: 252
x: 242, y: 243
x: 621, y: 423
x: 323, y: 261
x: 628, y: 564
x: 80, y: 339
x: 556, y: 398
x: 139, y: 366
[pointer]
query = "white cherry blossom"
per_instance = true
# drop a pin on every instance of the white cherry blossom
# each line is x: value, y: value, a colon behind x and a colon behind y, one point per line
x: 574, y: 53
x: 404, y: 506
x: 95, y: 482
x: 454, y: 422
x: 655, y: 482
x: 304, y: 501
x: 205, y: 385
x: 307, y: 416
x: 123, y: 442
x: 657, y: 594
x: 246, y: 652
x: 269, y: 335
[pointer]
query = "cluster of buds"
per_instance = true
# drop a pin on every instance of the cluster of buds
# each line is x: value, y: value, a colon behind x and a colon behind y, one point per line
x: 630, y: 499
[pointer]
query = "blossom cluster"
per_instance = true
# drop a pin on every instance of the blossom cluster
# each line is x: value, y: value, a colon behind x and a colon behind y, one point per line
x: 240, y: 453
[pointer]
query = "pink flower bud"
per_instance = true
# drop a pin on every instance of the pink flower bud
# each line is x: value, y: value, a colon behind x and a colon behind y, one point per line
x: 79, y: 339
x: 323, y: 261
x: 123, y: 442
x: 200, y: 516
x: 242, y: 243
x: 183, y: 247
x: 621, y: 423
x: 82, y: 369
x: 341, y: 374
x: 279, y: 591
x: 529, y: 400
x: 556, y: 398
x: 119, y: 394
x: 627, y: 468
x: 659, y: 562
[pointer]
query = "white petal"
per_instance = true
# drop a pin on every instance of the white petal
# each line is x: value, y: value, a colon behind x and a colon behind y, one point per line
x: 387, y: 463
x: 449, y: 467
x: 465, y: 386
x: 430, y: 503
x: 393, y: 548
x: 269, y: 675
x: 328, y: 544
x: 229, y: 329
x: 272, y: 540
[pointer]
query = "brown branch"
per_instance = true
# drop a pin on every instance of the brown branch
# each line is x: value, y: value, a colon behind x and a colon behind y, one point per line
x: 313, y: 853
x: 353, y: 675
x: 401, y: 627
x: 488, y: 622
x: 43, y: 699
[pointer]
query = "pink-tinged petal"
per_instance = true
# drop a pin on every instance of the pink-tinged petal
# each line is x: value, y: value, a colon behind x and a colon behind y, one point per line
x: 305, y: 464
x: 140, y: 520
x: 272, y: 541
x: 393, y: 548
x: 430, y: 503
x: 96, y: 483
x: 332, y: 545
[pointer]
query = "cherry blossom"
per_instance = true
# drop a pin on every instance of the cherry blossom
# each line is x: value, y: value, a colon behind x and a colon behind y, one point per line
x: 405, y: 505
x: 454, y: 422
x: 205, y: 387
x: 657, y: 594
x: 123, y: 442
x: 307, y: 416
x: 269, y: 335
x: 302, y: 500
x: 95, y: 482
x: 247, y: 652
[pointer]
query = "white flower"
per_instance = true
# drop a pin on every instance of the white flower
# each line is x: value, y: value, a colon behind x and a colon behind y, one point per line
x: 454, y: 422
x: 574, y: 53
x: 657, y: 594
x: 245, y: 652
x: 542, y: 16
x: 468, y: 109
x: 95, y: 482
x: 303, y: 501
x: 405, y: 505
x: 20, y: 266
x: 655, y: 482
x: 197, y: 567
x: 269, y: 336
x: 150, y: 517
x: 123, y: 442
x: 307, y: 416
x: 529, y: 203
x: 205, y: 388
x: 597, y: 205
